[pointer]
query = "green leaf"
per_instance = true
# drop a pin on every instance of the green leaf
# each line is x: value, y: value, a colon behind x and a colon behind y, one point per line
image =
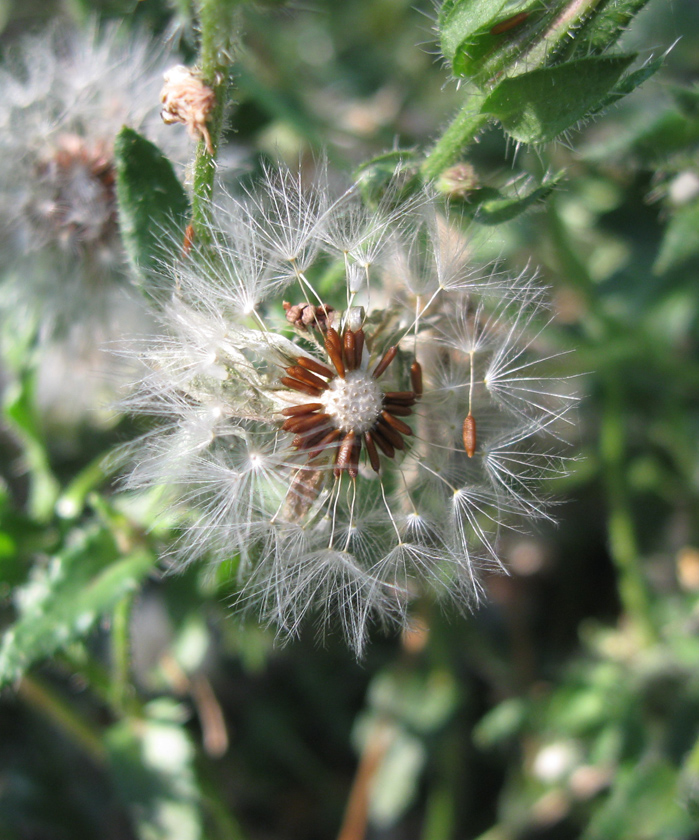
x: 536, y: 107
x: 681, y: 239
x: 153, y: 205
x: 603, y: 27
x: 395, y: 172
x: 466, y: 37
x: 152, y: 762
x: 20, y: 412
x: 643, y: 803
x: 65, y: 598
x: 489, y: 206
x: 627, y: 84
x: 502, y: 723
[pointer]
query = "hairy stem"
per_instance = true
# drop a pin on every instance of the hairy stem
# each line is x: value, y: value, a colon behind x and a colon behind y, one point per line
x: 458, y: 135
x: 121, y: 653
x: 219, y: 26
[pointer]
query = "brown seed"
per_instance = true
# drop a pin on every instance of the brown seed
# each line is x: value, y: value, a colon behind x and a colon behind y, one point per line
x: 349, y: 348
x: 304, y: 408
x: 402, y: 397
x: 416, y: 378
x: 371, y: 450
x: 384, y: 445
x: 333, y: 347
x: 316, y: 367
x: 324, y: 444
x: 397, y: 424
x: 302, y: 387
x: 305, y: 422
x: 306, y: 376
x: 354, y: 457
x: 390, y: 434
x: 344, y: 453
x: 358, y: 347
x: 388, y: 357
x: 398, y: 410
x: 310, y: 439
x: 469, y: 435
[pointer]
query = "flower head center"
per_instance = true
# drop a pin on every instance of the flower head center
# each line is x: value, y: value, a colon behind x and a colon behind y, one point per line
x: 355, y: 402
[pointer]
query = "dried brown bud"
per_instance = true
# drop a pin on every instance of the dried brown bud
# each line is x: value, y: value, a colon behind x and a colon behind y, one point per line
x: 186, y: 99
x: 305, y: 315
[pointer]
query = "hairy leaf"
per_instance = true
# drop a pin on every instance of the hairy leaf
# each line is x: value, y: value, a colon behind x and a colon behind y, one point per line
x: 538, y: 106
x: 64, y: 599
x: 153, y: 205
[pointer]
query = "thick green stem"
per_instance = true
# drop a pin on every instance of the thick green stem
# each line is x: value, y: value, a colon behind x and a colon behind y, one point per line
x: 121, y: 653
x: 219, y: 27
x: 60, y: 713
x: 450, y: 147
x: 623, y: 543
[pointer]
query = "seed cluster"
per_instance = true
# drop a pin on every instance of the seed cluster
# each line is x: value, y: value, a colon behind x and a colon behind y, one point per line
x: 351, y: 409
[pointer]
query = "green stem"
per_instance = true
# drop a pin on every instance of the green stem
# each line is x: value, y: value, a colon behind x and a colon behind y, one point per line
x: 623, y: 543
x: 219, y: 26
x: 121, y: 653
x: 450, y: 147
x: 45, y: 701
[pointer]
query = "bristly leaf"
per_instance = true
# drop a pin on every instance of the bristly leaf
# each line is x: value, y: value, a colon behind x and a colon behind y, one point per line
x: 627, y: 84
x: 64, y: 600
x: 489, y: 206
x: 603, y: 28
x: 538, y: 106
x: 153, y: 205
x: 467, y: 38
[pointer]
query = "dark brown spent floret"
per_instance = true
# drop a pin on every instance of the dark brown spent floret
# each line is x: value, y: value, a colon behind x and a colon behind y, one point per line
x: 304, y: 408
x: 401, y: 397
x: 388, y: 357
x: 305, y: 422
x: 354, y: 457
x: 397, y: 424
x: 399, y: 410
x: 382, y: 442
x: 349, y: 348
x: 358, y: 347
x: 324, y: 443
x: 469, y: 435
x: 310, y: 439
x: 302, y: 387
x: 416, y: 378
x: 333, y: 346
x: 316, y: 367
x: 389, y: 433
x: 306, y: 376
x: 371, y: 450
x: 344, y: 453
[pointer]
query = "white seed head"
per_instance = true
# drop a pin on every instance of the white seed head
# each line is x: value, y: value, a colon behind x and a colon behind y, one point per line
x: 354, y: 402
x: 333, y: 520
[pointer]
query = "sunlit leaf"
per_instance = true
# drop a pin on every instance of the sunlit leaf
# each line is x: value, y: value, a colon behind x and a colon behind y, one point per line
x: 536, y: 107
x: 64, y: 599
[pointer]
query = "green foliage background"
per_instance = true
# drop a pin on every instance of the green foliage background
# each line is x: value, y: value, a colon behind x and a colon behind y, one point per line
x: 137, y: 707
